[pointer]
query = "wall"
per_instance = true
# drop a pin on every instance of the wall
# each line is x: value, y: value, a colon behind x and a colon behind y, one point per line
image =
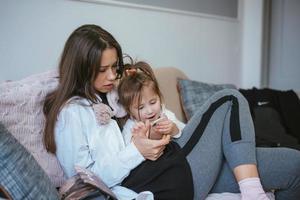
x: 251, y: 30
x: 226, y: 8
x: 33, y: 33
x: 285, y: 45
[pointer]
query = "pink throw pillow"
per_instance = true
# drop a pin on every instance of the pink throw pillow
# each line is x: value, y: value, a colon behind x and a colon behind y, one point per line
x: 21, y: 113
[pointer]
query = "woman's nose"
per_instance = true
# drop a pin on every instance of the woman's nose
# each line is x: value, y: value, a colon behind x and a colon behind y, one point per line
x: 111, y: 74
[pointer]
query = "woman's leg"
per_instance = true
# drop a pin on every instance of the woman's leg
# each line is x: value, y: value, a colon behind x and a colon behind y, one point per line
x: 279, y: 169
x: 229, y: 132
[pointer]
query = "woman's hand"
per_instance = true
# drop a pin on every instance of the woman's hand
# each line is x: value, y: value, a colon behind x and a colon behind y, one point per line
x: 150, y: 149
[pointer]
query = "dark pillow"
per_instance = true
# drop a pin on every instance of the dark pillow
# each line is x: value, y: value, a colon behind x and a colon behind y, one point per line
x: 20, y: 175
x: 194, y: 93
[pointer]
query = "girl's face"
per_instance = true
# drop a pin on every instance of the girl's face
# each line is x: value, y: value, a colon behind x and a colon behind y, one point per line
x: 107, y: 73
x: 149, y: 107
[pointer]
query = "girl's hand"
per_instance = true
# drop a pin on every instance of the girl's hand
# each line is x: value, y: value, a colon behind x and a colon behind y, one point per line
x: 165, y: 127
x: 141, y: 129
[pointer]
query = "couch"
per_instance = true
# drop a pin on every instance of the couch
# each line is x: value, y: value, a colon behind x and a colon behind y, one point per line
x: 21, y: 115
x: 174, y: 90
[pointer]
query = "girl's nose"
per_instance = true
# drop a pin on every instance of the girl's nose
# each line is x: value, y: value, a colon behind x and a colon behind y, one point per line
x: 149, y: 110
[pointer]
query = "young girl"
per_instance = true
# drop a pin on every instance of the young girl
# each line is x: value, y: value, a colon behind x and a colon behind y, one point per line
x: 142, y: 99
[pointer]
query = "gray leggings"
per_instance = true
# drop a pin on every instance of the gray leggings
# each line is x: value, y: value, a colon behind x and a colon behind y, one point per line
x: 219, y: 150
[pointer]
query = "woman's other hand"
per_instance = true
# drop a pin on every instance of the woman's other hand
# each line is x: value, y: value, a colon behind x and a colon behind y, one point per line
x: 150, y: 149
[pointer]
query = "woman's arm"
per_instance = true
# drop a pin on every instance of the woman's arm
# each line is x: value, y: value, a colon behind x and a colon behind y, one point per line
x: 78, y: 144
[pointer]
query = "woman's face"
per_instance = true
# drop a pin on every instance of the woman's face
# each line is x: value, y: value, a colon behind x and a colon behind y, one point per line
x: 107, y: 74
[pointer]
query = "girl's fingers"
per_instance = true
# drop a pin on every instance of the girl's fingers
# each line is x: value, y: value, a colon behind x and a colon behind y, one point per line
x: 165, y: 140
x: 147, y: 126
x: 166, y: 129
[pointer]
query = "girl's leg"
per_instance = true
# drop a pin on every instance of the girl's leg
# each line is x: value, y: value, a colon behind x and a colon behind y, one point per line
x: 279, y: 169
x: 229, y: 132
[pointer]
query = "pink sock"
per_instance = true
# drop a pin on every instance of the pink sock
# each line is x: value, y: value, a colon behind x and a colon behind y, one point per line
x: 251, y: 189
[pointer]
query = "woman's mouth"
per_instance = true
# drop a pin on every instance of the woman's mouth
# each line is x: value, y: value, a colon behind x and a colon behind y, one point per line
x: 109, y: 86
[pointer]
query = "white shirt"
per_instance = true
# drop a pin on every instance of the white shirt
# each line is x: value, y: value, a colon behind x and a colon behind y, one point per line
x: 80, y: 140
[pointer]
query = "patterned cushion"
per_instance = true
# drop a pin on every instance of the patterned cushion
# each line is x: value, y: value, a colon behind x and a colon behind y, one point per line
x: 194, y: 93
x: 21, y: 113
x: 21, y: 176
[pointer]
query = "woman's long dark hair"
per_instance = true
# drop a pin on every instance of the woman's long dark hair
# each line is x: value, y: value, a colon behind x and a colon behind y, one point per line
x: 78, y: 68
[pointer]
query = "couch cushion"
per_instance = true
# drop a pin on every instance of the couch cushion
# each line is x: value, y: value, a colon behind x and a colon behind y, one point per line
x: 194, y: 93
x: 167, y: 80
x: 21, y: 176
x: 21, y: 113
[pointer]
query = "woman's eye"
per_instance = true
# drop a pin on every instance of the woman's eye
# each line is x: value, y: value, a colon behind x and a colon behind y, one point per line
x: 102, y: 69
x: 153, y: 102
x: 114, y: 68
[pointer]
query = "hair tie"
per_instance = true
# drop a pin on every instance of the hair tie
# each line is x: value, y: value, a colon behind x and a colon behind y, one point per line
x: 130, y: 71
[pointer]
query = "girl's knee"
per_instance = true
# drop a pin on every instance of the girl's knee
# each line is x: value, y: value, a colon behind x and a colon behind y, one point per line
x: 229, y: 92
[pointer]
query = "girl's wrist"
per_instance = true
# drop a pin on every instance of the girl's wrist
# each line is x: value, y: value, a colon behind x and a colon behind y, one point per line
x: 175, y: 130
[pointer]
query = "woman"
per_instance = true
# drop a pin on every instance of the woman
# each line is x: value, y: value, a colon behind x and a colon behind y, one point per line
x: 80, y: 132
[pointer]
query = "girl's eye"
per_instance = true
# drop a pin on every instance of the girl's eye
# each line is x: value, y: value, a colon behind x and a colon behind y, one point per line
x: 140, y: 107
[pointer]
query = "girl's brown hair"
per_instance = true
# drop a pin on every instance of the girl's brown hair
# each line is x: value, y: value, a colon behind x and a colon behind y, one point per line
x: 78, y: 68
x: 136, y: 77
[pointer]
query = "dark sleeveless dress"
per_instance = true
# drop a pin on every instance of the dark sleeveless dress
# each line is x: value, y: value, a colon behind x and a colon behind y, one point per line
x: 169, y: 177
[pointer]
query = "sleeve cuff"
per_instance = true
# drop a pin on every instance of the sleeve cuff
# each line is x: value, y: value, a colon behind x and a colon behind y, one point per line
x: 178, y: 134
x: 131, y: 156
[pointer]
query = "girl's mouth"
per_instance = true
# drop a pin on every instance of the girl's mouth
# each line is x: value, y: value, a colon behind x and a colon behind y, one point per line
x: 153, y: 118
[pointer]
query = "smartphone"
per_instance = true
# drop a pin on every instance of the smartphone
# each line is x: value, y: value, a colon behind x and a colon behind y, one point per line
x: 155, y: 122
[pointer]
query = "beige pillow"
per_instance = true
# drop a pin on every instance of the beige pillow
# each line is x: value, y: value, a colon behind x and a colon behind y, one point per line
x: 21, y: 113
x: 167, y: 80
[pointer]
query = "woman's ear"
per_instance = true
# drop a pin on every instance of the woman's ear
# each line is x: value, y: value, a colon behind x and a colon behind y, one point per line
x: 130, y: 115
